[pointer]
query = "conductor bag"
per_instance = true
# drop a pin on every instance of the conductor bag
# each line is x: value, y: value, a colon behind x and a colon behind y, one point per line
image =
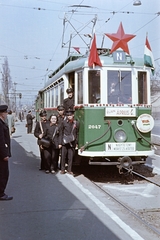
x: 45, y: 143
x: 68, y: 138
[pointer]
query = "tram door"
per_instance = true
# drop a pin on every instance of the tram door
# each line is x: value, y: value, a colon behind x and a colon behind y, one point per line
x: 94, y: 86
x: 142, y: 88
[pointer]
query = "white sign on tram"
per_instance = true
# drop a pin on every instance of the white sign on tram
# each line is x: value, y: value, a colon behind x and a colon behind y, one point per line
x: 121, y: 147
x: 125, y: 112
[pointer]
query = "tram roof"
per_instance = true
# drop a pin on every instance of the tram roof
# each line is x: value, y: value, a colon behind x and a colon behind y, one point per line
x: 78, y: 61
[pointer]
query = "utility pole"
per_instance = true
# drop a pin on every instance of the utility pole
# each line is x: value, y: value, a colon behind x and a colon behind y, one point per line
x: 15, y: 97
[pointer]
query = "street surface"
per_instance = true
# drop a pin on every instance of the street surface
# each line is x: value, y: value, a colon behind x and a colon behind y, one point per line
x: 48, y: 207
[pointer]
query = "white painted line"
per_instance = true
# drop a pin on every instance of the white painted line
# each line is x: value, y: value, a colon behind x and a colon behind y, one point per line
x: 134, y: 235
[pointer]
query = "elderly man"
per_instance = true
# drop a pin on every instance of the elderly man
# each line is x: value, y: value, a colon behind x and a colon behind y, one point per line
x: 5, y: 153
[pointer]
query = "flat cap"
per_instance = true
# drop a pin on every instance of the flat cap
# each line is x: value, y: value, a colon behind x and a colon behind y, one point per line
x: 3, y: 108
x: 42, y: 113
x: 70, y: 112
x: 60, y: 107
x: 69, y: 90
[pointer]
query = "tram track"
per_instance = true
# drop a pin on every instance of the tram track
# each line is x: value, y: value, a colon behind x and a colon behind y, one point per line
x: 130, y: 210
x: 145, y: 178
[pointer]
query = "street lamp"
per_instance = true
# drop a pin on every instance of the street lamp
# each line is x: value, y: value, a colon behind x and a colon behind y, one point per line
x: 137, y: 3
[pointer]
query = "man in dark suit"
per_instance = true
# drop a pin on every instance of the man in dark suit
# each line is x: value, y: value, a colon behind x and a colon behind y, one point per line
x: 38, y: 133
x: 29, y: 119
x: 70, y: 127
x: 68, y: 103
x: 5, y: 153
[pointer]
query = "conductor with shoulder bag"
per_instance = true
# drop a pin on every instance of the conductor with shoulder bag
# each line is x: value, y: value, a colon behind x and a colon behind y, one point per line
x: 38, y: 133
x: 70, y: 130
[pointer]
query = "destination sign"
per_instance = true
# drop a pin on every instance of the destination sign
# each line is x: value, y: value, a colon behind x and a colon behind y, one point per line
x: 121, y: 147
x: 121, y: 111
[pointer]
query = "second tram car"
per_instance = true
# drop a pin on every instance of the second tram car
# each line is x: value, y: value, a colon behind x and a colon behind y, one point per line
x: 112, y: 104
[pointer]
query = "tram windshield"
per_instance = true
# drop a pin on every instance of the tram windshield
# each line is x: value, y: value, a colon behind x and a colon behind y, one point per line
x: 119, y: 87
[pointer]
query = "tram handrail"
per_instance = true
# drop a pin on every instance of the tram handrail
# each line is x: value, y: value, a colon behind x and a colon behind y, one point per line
x: 136, y: 129
x: 88, y: 143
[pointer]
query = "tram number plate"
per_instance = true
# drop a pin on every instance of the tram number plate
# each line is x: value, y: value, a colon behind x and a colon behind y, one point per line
x: 127, y: 147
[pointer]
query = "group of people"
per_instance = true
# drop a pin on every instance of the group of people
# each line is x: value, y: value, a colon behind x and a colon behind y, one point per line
x: 61, y: 130
x: 57, y: 130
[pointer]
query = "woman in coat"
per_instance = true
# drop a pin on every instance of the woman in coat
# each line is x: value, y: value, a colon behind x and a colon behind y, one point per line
x: 53, y: 134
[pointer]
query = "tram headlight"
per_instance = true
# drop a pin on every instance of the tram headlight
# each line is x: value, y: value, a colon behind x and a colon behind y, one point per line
x: 120, y: 135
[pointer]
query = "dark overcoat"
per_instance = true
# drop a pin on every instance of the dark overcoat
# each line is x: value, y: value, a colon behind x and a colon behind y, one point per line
x: 5, y: 150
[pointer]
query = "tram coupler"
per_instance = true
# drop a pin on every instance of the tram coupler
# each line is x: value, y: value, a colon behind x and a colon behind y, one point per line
x: 125, y: 164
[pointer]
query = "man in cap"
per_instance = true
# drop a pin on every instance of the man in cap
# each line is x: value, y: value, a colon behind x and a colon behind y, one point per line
x: 61, y: 116
x: 68, y: 103
x: 29, y: 119
x: 5, y: 153
x: 38, y: 133
x: 69, y: 127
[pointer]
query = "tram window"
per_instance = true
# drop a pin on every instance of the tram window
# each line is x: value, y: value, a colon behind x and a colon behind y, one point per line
x: 52, y: 96
x: 61, y: 90
x: 45, y: 99
x: 71, y: 80
x: 80, y: 88
x: 142, y: 88
x: 56, y: 96
x: 48, y: 98
x: 119, y: 87
x: 94, y: 86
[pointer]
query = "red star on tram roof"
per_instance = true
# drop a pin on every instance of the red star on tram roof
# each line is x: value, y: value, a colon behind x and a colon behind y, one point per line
x: 120, y: 39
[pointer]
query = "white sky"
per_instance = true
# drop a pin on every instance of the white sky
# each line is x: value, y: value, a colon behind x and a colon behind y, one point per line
x: 31, y: 34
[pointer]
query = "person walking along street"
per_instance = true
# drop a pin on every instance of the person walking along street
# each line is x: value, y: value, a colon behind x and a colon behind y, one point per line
x: 10, y: 122
x: 5, y: 153
x: 29, y: 119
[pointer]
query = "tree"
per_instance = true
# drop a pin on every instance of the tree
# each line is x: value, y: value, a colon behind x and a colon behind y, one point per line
x: 6, y: 81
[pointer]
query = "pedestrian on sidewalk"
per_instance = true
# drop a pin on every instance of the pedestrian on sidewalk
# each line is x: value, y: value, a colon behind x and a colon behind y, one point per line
x: 10, y: 122
x: 29, y: 119
x: 5, y: 153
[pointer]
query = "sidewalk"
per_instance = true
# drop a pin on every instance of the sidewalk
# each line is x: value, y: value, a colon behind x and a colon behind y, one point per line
x: 48, y: 206
x: 27, y: 141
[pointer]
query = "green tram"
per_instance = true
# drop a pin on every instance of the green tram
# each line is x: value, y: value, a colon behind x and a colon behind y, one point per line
x: 112, y: 104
